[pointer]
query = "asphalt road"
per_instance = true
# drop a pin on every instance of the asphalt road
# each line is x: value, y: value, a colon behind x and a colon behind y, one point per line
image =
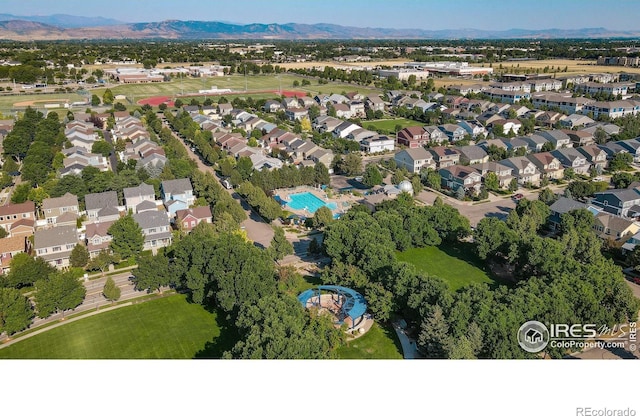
x: 257, y: 230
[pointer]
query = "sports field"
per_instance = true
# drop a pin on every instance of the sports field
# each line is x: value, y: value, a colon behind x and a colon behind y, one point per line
x: 458, y: 264
x: 163, y: 328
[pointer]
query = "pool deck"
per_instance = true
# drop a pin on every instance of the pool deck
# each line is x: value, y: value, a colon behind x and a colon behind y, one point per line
x: 339, y: 200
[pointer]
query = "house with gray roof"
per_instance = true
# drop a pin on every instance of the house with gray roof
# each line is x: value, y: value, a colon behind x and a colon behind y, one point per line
x: 558, y: 138
x: 54, y: 245
x: 102, y: 206
x: 177, y: 190
x: 562, y: 206
x: 503, y: 172
x: 97, y: 237
x: 536, y: 142
x: 470, y: 155
x: 573, y: 159
x: 414, y: 160
x: 523, y: 169
x: 633, y: 146
x: 136, y: 195
x: 52, y: 208
x: 155, y: 228
x: 623, y: 202
x: 596, y: 157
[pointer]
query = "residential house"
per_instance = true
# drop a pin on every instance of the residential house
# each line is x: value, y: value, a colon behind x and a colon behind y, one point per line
x: 433, y: 134
x: 412, y: 137
x: 453, y: 131
x: 12, y: 213
x: 579, y: 137
x: 612, y: 109
x: 415, y: 159
x: 503, y: 172
x: 623, y: 202
x: 445, y: 156
x: 359, y: 135
x: 374, y: 103
x: 523, y: 169
x: 595, y: 156
x: 550, y: 118
x: 470, y: 155
x: 177, y: 194
x: 562, y: 206
x: 472, y: 128
x: 294, y: 114
x: 557, y: 138
x: 508, y: 126
x: 548, y: 165
x: 97, y: 237
x: 136, y: 195
x: 187, y: 219
x: 54, y: 245
x: 344, y: 129
x: 155, y: 228
x: 320, y: 155
x: 9, y: 247
x: 102, y: 206
x: 633, y: 146
x: 616, y: 228
x: 457, y: 176
x: 573, y: 159
x: 53, y: 208
x: 573, y: 121
x: 377, y: 144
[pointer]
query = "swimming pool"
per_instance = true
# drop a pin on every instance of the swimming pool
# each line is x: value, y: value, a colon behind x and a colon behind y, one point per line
x: 308, y: 201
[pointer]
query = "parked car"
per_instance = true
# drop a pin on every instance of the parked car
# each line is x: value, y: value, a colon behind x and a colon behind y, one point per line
x: 518, y: 197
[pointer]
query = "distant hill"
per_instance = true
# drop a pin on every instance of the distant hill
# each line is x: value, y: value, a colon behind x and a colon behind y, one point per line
x: 64, y: 20
x: 59, y: 27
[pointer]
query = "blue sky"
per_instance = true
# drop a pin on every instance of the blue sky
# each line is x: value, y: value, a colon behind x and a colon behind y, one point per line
x: 400, y: 14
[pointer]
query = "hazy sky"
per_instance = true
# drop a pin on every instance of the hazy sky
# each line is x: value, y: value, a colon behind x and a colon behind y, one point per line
x: 400, y: 14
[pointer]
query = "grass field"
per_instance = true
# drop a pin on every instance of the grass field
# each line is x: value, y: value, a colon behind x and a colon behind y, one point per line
x: 379, y: 343
x: 458, y: 264
x: 390, y: 125
x: 163, y: 328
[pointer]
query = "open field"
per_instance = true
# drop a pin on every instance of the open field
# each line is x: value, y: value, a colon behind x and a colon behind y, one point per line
x: 458, y: 264
x: 389, y: 125
x: 163, y: 328
x: 378, y: 343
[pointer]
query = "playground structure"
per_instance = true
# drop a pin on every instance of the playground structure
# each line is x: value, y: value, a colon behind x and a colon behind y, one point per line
x: 346, y: 305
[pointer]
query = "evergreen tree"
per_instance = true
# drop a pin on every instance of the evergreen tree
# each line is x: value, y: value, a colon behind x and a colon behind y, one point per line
x: 128, y: 240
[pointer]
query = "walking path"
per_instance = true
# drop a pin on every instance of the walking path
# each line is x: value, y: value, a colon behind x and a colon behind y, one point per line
x: 409, y: 347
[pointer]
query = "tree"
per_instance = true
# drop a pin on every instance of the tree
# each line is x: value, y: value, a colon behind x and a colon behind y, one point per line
x: 351, y: 164
x: 280, y: 246
x: 321, y: 174
x: 25, y: 270
x: 460, y: 193
x: 491, y: 182
x: 276, y: 327
x: 547, y: 196
x: 372, y: 176
x: 101, y: 261
x: 513, y: 185
x: 434, y: 337
x: 128, y: 240
x: 152, y: 273
x: 107, y: 97
x: 110, y: 290
x: 102, y: 147
x: 95, y: 100
x: 314, y: 247
x: 58, y: 293
x: 621, y: 161
x: 79, y: 256
x: 322, y: 217
x: 432, y: 179
x: 16, y: 312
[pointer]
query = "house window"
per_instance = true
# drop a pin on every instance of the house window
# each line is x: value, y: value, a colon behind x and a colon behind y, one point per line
x: 70, y: 246
x: 152, y: 230
x: 25, y: 215
x: 56, y: 249
x: 193, y: 223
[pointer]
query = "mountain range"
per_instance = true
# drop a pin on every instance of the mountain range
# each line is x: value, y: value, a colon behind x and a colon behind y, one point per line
x: 67, y: 27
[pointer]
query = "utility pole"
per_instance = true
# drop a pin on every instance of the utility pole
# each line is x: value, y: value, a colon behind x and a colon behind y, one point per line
x: 245, y: 77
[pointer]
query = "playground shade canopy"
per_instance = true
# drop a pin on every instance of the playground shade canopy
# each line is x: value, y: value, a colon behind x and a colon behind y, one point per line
x: 355, y: 305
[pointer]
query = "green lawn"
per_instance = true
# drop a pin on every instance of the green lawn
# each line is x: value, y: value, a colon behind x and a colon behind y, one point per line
x: 456, y: 264
x: 390, y: 125
x: 379, y: 343
x: 164, y: 328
